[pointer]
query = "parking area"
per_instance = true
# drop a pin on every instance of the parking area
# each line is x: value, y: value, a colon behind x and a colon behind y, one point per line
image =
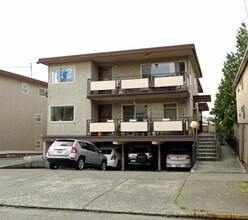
x: 136, y: 155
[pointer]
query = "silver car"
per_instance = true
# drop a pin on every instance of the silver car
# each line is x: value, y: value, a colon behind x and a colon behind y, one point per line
x: 178, y: 158
x: 77, y: 153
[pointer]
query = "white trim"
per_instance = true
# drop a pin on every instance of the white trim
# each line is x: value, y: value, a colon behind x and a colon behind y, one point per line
x: 27, y: 87
x: 40, y: 88
x: 61, y: 83
x: 67, y: 105
x: 38, y: 142
x: 37, y: 116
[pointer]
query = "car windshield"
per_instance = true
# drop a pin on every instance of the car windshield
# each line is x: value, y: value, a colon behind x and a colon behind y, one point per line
x: 139, y: 150
x: 178, y: 151
x: 106, y: 151
x: 65, y: 143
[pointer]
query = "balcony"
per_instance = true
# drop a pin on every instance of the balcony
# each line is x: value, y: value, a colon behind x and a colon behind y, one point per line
x: 163, y: 86
x: 132, y: 127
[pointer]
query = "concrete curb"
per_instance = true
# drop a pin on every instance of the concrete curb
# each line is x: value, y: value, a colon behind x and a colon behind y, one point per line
x: 35, y: 164
x: 213, y: 216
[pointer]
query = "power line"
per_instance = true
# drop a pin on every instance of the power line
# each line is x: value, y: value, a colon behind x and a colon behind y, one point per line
x: 10, y: 67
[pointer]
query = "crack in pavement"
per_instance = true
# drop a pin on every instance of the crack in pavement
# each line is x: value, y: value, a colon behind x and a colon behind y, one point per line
x: 97, y: 197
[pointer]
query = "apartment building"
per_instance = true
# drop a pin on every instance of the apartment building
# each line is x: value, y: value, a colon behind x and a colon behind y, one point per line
x: 241, y: 86
x: 147, y: 96
x: 23, y: 114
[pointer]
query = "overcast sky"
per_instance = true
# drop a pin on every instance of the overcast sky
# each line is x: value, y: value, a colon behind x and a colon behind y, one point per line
x: 33, y: 29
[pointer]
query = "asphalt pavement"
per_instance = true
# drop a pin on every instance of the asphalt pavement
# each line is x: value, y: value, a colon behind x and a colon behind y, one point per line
x: 203, y: 194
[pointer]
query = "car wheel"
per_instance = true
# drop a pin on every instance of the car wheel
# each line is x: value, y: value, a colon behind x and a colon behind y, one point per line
x: 118, y: 165
x: 80, y: 164
x: 141, y: 158
x: 53, y: 166
x: 103, y: 166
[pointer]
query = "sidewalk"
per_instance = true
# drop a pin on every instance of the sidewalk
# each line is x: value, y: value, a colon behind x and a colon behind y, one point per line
x: 227, y: 163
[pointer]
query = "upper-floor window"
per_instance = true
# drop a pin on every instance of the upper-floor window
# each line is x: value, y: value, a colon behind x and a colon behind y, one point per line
x: 42, y: 92
x: 242, y: 83
x: 62, y: 113
x: 170, y: 110
x: 63, y: 74
x: 25, y: 88
x: 243, y: 111
x: 162, y: 69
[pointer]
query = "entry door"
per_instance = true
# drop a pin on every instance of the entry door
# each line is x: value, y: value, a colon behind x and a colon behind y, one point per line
x: 104, y: 112
x: 104, y: 73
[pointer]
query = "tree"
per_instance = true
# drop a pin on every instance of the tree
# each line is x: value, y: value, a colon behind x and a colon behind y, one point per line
x: 225, y: 103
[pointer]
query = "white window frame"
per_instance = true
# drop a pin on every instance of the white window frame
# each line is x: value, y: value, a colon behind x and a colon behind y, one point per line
x: 45, y: 92
x: 67, y: 105
x: 38, y: 143
x: 52, y: 78
x: 38, y: 118
x: 25, y: 88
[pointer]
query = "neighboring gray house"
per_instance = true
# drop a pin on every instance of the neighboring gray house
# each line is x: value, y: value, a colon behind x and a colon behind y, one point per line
x: 147, y: 96
x: 23, y: 113
x: 241, y: 86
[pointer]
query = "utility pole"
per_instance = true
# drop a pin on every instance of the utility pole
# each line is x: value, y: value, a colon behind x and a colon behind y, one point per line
x: 31, y: 70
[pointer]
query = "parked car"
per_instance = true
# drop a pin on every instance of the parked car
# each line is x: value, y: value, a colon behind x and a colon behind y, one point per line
x: 178, y: 158
x: 141, y: 156
x: 77, y: 153
x: 113, y: 154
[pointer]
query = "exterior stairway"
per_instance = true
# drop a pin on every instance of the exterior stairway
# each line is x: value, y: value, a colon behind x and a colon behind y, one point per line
x: 207, y: 147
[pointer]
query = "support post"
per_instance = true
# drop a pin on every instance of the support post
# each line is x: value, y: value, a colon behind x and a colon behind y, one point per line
x: 122, y: 158
x: 44, y: 149
x: 159, y: 157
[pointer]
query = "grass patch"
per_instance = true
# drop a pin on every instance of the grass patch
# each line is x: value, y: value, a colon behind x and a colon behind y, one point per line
x: 242, y: 187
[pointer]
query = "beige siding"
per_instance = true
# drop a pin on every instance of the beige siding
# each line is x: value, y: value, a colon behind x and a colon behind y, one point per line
x: 19, y: 130
x: 71, y: 94
x: 241, y: 94
x: 75, y: 94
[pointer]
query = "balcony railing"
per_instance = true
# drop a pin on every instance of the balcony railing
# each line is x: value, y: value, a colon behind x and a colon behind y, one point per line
x: 146, y: 127
x: 137, y: 84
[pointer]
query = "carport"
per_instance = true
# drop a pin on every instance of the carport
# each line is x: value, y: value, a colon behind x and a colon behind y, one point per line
x: 123, y: 141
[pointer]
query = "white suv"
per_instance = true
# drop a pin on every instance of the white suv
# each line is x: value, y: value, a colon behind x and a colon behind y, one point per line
x: 77, y: 153
x: 113, y: 154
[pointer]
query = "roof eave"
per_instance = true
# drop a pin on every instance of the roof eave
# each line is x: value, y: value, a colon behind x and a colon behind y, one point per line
x: 241, y: 69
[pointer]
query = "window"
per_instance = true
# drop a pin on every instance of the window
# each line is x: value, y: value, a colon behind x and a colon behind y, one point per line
x: 62, y: 74
x: 138, y: 112
x: 25, y: 88
x: 242, y: 83
x: 170, y: 110
x: 162, y: 69
x: 42, y: 92
x: 62, y: 113
x: 243, y: 111
x: 38, y: 118
x: 38, y: 145
x: 128, y: 112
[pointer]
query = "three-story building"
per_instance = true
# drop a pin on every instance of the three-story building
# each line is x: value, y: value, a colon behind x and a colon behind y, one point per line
x: 147, y: 96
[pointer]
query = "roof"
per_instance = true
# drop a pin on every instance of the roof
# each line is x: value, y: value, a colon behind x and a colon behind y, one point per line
x: 241, y: 68
x: 22, y: 78
x: 134, y: 54
x: 201, y: 100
